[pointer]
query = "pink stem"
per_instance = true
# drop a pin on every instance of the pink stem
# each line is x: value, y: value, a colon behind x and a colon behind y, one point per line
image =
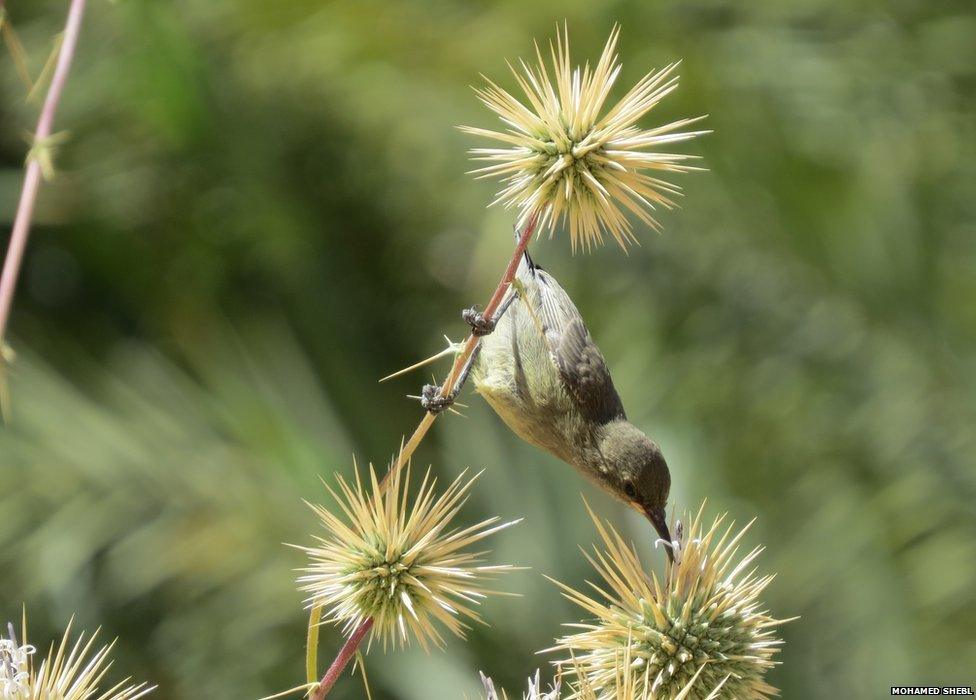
x: 349, y: 648
x: 32, y: 180
x: 342, y: 659
x: 408, y: 448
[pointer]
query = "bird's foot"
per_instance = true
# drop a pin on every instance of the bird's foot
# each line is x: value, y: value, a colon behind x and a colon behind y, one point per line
x: 432, y: 401
x: 480, y: 325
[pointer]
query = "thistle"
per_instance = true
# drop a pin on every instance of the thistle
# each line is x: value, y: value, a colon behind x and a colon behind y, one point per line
x: 567, y: 160
x: 627, y: 685
x: 402, y: 566
x: 704, y: 628
x: 630, y: 682
x: 68, y: 672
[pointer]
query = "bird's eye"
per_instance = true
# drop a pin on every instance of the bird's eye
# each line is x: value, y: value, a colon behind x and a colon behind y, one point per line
x: 630, y: 490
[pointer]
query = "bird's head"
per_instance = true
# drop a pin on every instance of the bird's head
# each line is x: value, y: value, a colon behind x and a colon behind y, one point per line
x: 636, y: 473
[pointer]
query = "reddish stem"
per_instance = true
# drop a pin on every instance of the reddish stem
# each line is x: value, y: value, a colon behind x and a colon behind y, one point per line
x: 32, y: 180
x: 342, y: 659
x: 349, y: 648
x: 406, y: 452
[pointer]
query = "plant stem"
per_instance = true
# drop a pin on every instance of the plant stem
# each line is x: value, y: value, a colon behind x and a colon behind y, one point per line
x: 312, y: 644
x: 406, y: 452
x: 342, y: 658
x: 349, y: 648
x: 32, y: 180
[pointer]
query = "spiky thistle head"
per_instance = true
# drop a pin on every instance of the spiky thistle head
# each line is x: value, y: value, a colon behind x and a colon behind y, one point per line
x: 403, y: 565
x: 567, y: 160
x: 627, y: 685
x: 630, y: 682
x: 70, y: 671
x: 704, y: 628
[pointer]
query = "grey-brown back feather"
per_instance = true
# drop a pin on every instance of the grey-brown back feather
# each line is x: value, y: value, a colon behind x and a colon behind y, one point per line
x: 581, y: 366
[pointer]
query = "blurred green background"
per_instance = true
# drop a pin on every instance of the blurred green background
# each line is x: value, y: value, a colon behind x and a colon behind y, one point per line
x: 262, y: 209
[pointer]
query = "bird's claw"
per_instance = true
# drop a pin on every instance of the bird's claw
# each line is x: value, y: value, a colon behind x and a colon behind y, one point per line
x: 480, y: 325
x: 432, y: 401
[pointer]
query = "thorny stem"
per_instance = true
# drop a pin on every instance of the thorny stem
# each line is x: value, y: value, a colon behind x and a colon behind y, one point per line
x: 341, y: 660
x: 406, y: 452
x: 349, y: 648
x: 32, y: 180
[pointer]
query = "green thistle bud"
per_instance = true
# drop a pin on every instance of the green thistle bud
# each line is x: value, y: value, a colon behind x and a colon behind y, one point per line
x: 403, y: 566
x: 703, y: 633
x: 627, y: 684
x: 566, y: 160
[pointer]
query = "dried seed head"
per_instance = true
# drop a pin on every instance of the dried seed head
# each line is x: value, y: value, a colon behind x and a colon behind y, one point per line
x: 402, y: 565
x: 702, y: 632
x: 565, y: 159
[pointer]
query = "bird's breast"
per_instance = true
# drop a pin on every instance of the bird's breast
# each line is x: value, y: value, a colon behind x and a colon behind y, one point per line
x: 516, y: 375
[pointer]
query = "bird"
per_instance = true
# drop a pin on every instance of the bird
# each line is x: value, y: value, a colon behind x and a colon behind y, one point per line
x: 540, y: 370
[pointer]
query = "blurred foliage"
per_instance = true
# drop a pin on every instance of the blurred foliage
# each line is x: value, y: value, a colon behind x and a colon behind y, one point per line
x: 261, y: 210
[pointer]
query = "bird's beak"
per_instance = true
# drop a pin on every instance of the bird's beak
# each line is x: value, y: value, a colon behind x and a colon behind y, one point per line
x: 659, y: 520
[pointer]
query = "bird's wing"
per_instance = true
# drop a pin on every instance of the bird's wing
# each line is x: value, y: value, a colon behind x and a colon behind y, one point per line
x: 580, y: 363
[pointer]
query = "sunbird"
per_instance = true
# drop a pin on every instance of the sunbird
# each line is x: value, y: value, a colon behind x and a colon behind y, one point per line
x: 537, y: 366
